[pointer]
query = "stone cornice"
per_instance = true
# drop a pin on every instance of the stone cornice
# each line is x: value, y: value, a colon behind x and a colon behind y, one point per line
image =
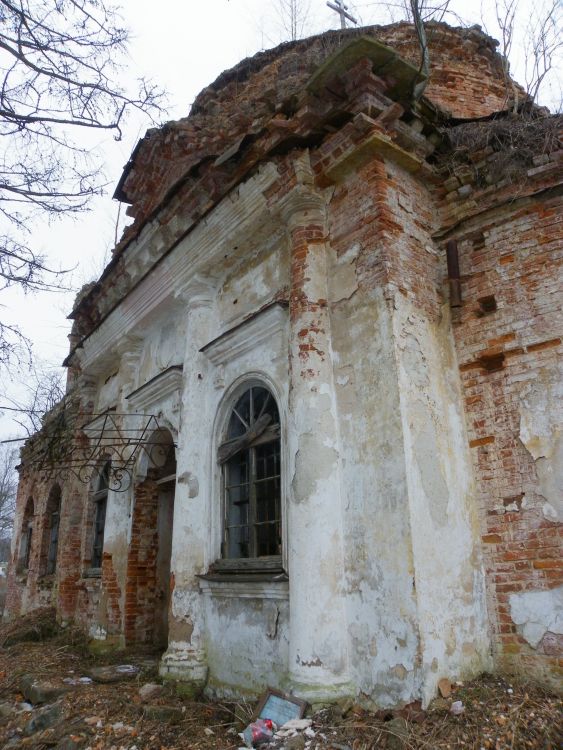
x: 163, y: 385
x: 234, y: 223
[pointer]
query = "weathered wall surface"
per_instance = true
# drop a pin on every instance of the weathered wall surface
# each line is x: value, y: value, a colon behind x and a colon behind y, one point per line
x: 254, y: 631
x: 400, y: 399
x: 31, y: 587
x: 512, y: 262
x: 308, y: 256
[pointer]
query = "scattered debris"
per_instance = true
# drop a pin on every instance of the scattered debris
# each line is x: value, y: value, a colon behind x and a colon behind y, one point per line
x: 498, y: 715
x: 259, y: 732
x: 457, y: 708
x: 150, y: 690
x: 39, y: 625
x: 166, y: 714
x: 41, y: 691
x: 297, y: 724
x: 114, y: 673
x: 445, y: 687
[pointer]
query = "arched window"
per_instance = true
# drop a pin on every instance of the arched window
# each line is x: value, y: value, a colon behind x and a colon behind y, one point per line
x: 26, y: 537
x: 52, y: 527
x: 100, y: 505
x: 250, y: 457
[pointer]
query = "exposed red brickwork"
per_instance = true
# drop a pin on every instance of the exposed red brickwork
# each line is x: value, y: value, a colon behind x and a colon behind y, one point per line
x: 259, y: 107
x: 112, y: 591
x: 69, y: 563
x: 523, y: 547
x: 140, y: 592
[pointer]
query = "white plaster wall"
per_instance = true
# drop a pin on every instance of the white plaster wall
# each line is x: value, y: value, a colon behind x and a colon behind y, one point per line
x: 381, y: 601
x: 256, y: 277
x: 163, y: 344
x: 247, y: 644
x: 153, y: 349
x: 449, y: 575
x: 541, y: 433
x: 232, y: 637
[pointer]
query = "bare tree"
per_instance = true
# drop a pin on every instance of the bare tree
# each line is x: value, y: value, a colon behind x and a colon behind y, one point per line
x: 506, y: 13
x: 293, y: 16
x: 543, y: 44
x: 42, y: 391
x: 8, y: 486
x: 59, y: 67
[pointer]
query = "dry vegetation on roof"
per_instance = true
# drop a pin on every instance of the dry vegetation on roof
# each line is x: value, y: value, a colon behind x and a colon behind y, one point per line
x: 507, y: 146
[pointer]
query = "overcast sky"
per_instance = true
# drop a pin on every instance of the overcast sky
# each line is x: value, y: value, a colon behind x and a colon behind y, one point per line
x: 182, y: 45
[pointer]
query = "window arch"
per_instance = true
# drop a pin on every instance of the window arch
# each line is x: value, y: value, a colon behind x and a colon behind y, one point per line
x: 250, y: 456
x: 26, y: 537
x: 52, y: 521
x: 100, y: 497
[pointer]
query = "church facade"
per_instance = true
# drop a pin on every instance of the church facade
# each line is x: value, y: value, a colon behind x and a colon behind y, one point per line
x: 312, y: 435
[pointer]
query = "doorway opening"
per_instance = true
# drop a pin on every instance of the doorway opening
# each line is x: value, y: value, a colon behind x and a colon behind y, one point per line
x: 148, y: 593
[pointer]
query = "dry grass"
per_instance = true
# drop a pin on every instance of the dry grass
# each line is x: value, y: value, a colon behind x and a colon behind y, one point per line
x: 498, y: 714
x: 507, y: 145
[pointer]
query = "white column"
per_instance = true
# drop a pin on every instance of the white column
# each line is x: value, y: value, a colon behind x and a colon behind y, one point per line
x: 318, y: 635
x: 185, y: 658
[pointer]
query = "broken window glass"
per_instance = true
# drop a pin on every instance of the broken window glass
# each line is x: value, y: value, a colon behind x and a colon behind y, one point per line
x: 54, y: 507
x: 100, y: 501
x: 251, y: 475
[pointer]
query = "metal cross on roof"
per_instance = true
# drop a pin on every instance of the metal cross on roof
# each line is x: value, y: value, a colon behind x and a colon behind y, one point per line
x: 342, y: 10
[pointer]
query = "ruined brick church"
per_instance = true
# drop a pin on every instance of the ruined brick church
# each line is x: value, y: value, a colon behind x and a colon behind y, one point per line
x: 312, y: 434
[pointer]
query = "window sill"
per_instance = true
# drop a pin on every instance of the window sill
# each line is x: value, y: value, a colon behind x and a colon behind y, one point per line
x: 47, y: 580
x: 248, y: 565
x: 92, y: 573
x: 245, y: 585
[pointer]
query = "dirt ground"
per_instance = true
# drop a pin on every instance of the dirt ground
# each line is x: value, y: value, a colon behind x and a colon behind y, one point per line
x: 497, y: 713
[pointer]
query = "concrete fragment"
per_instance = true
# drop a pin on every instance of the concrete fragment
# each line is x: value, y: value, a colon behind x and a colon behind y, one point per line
x: 445, y: 687
x: 298, y: 724
x: 150, y: 690
x: 167, y: 714
x: 44, y: 718
x: 37, y: 691
x: 114, y: 673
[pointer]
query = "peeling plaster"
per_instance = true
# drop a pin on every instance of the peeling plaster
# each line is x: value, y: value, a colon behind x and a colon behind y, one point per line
x: 192, y: 482
x: 541, y: 433
x: 538, y: 613
x: 308, y: 473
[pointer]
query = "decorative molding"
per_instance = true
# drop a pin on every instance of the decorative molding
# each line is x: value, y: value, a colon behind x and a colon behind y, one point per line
x: 198, y: 291
x: 302, y: 206
x: 266, y: 326
x: 240, y: 218
x: 163, y: 385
